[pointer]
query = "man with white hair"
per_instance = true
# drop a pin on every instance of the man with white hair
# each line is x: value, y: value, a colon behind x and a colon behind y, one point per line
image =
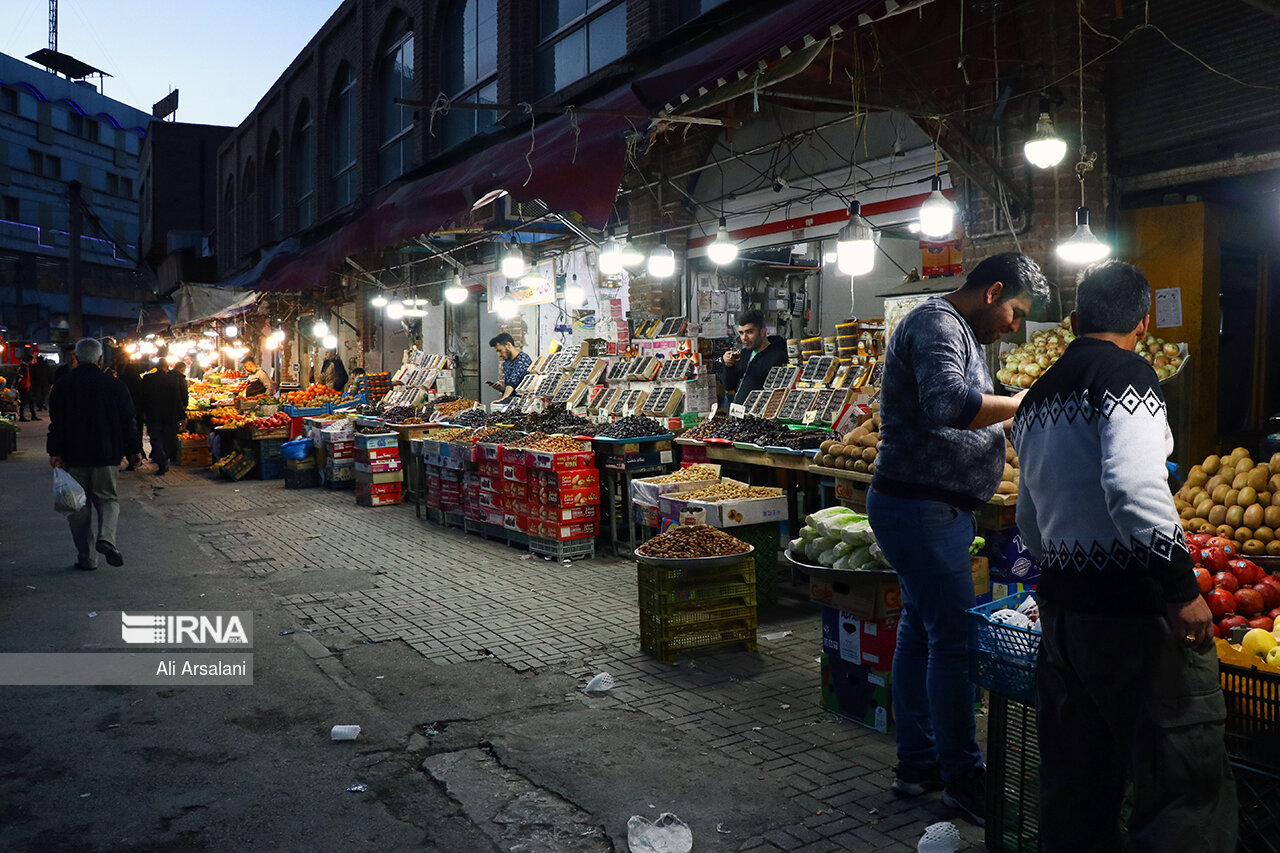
x: 91, y: 427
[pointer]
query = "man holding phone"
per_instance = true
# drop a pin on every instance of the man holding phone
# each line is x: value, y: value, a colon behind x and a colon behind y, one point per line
x: 515, y: 364
x: 746, y: 367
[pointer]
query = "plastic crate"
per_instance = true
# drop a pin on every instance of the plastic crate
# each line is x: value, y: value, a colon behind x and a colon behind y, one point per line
x: 517, y: 539
x: 271, y: 469
x: 1258, y: 791
x: 1013, y: 776
x: 664, y: 642
x: 668, y: 597
x: 1002, y: 658
x: 435, y: 516
x: 656, y: 574
x: 1253, y: 715
x: 766, y: 538
x: 452, y: 519
x: 569, y: 549
x: 697, y: 612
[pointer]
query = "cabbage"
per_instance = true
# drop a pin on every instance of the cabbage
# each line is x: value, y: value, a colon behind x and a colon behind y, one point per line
x: 860, y: 558
x: 843, y: 563
x: 808, y: 534
x: 818, y: 518
x: 817, y: 546
x: 796, y: 546
x: 827, y: 557
x: 857, y: 533
x: 842, y: 548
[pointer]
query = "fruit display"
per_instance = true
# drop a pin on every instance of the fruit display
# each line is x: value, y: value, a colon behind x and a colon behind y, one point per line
x: 1237, y: 590
x: 1022, y: 366
x: 473, y: 417
x: 855, y: 450
x: 751, y: 430
x: 456, y: 406
x: 692, y: 542
x: 1262, y: 644
x: 229, y: 416
x: 803, y: 439
x: 192, y: 436
x: 704, y: 429
x: 313, y: 395
x: 839, y: 538
x: 398, y: 414
x: 1234, y: 498
x: 276, y: 421
x: 632, y: 426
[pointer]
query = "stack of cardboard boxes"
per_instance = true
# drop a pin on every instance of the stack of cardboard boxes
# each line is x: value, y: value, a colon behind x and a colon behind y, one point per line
x: 379, y: 475
x: 337, y: 459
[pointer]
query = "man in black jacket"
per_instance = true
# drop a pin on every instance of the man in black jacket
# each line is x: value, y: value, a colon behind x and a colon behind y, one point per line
x: 746, y: 368
x: 164, y: 395
x: 90, y: 427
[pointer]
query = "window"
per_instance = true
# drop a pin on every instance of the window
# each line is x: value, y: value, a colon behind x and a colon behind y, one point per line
x: 12, y: 211
x: 395, y: 79
x: 248, y: 208
x: 273, y: 187
x: 229, y: 216
x: 82, y: 126
x: 304, y: 165
x: 9, y: 100
x: 344, y: 141
x: 472, y: 72
x: 687, y: 10
x: 577, y: 37
x: 119, y: 185
x: 45, y: 165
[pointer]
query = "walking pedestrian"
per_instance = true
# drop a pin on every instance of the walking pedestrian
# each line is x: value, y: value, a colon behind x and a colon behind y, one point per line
x: 162, y: 404
x: 90, y: 425
x: 941, y: 455
x: 41, y: 381
x: 26, y: 394
x: 1094, y: 509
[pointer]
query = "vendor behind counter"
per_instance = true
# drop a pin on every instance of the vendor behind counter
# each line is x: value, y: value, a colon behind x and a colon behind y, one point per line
x: 259, y: 382
x: 747, y: 367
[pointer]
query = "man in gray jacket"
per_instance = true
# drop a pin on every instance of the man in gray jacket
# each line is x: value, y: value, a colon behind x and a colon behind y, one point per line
x: 1127, y: 683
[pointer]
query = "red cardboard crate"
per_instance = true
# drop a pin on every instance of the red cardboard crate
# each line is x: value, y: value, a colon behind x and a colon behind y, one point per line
x: 512, y: 489
x: 379, y: 488
x: 489, y: 500
x: 580, y: 478
x: 512, y: 456
x: 514, y: 521
x: 859, y: 641
x: 571, y: 461
x: 489, y: 469
x: 493, y: 516
x: 487, y: 452
x: 516, y: 506
x: 490, y: 484
x: 379, y: 500
x: 562, y: 532
x: 570, y: 497
x: 474, y: 512
x: 335, y: 452
x: 375, y: 454
x: 515, y: 473
x: 556, y: 514
x: 378, y: 466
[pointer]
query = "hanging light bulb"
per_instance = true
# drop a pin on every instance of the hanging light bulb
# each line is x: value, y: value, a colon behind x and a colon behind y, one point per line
x: 455, y: 292
x: 1082, y: 247
x: 573, y: 293
x: 937, y: 214
x: 610, y: 256
x: 662, y: 261
x: 270, y: 342
x: 394, y: 310
x: 231, y: 330
x: 212, y: 333
x: 507, y: 308
x: 513, y: 262
x: 278, y: 335
x: 723, y: 250
x: 1045, y: 149
x: 330, y: 342
x: 320, y: 329
x: 379, y: 301
x: 631, y: 256
x: 855, y: 244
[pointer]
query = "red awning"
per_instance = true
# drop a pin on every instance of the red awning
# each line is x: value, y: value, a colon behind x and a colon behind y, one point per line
x: 571, y: 162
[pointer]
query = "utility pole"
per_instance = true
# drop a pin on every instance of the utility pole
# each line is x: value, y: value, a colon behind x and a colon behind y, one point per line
x: 73, y: 259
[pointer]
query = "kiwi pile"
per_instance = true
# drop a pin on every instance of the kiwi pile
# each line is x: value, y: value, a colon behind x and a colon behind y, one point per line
x: 1235, y: 498
x: 855, y: 451
x: 1009, y: 479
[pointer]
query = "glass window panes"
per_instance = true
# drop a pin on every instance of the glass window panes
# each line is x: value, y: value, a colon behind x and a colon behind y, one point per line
x: 687, y: 10
x: 273, y: 186
x: 461, y: 125
x: 476, y: 33
x: 344, y: 138
x: 395, y: 155
x: 584, y: 37
x: 303, y: 167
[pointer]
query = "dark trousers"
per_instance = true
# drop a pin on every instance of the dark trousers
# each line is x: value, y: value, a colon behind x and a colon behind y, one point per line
x: 26, y: 400
x: 1119, y: 701
x: 163, y: 433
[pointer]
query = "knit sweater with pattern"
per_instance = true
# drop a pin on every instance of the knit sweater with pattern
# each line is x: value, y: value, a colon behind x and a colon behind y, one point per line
x: 1094, y: 506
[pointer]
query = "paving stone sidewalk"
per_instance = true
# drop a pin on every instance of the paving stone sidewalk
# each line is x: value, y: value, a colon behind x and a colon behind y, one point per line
x: 453, y: 597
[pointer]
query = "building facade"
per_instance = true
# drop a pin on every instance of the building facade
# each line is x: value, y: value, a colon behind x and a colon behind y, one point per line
x: 55, y: 131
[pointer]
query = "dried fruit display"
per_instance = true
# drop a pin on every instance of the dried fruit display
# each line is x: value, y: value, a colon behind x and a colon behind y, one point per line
x: 689, y: 473
x: 634, y: 426
x: 691, y: 542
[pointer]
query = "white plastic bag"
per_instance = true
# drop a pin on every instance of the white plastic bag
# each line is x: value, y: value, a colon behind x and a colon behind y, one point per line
x: 667, y: 834
x: 68, y: 494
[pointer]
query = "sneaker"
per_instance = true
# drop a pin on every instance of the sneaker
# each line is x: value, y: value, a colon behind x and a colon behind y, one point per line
x: 84, y: 568
x: 913, y: 780
x: 111, y: 552
x: 967, y: 793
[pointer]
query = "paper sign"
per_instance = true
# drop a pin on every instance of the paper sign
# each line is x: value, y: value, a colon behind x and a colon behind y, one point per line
x: 715, y: 407
x: 737, y: 410
x: 1169, y: 307
x: 810, y: 416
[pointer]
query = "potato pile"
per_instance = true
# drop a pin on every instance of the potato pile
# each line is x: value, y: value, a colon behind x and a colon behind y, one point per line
x: 1009, y: 479
x: 1232, y: 497
x: 856, y: 451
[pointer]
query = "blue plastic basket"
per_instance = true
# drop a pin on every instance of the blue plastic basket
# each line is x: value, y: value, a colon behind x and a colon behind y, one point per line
x: 1002, y: 658
x: 300, y: 448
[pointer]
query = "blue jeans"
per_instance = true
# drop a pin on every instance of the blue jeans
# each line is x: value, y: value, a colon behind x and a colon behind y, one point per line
x: 927, y: 543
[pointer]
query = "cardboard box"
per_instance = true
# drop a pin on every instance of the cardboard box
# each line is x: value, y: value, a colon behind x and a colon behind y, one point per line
x: 379, y: 500
x: 556, y: 514
x: 1003, y: 589
x: 368, y: 489
x: 571, y: 461
x: 631, y: 461
x: 869, y: 597
x: 377, y: 440
x: 379, y: 466
x: 376, y: 454
x: 562, y: 532
x: 569, y: 497
x: 980, y: 568
x: 580, y: 478
x: 490, y: 484
x: 300, y: 464
x: 490, y: 500
x: 515, y: 473
x: 858, y: 692
x: 487, y: 453
x: 648, y: 491
x: 518, y: 491
x: 489, y: 469
x: 382, y: 477
x: 1011, y: 562
x: 512, y: 456
x: 645, y: 514
x: 514, y: 521
x: 859, y: 641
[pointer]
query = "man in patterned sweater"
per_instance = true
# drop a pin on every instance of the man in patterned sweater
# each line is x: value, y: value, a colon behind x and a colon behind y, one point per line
x: 941, y: 455
x: 1127, y: 683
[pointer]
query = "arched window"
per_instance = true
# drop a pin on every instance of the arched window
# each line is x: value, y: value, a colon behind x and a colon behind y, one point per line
x: 395, y: 80
x: 471, y: 73
x: 344, y: 140
x: 576, y: 38
x: 273, y: 189
x: 248, y: 209
x: 229, y: 218
x: 302, y: 153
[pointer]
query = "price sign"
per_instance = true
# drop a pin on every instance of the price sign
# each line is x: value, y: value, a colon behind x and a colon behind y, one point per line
x: 737, y: 410
x: 810, y: 416
x: 715, y: 407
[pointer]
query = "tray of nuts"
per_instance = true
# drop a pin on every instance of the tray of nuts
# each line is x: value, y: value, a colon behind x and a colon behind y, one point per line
x: 694, y: 545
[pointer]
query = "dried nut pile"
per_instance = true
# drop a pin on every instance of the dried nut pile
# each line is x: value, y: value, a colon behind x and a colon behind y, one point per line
x: 558, y: 444
x: 453, y: 407
x: 689, y: 474
x: 479, y: 434
x: 447, y: 434
x: 397, y: 414
x: 408, y: 421
x: 471, y: 417
x: 729, y: 492
x: 692, y: 542
x: 703, y: 429
x: 526, y: 441
x: 501, y: 436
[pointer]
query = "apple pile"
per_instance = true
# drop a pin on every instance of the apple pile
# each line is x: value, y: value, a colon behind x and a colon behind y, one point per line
x: 279, y: 419
x: 1237, y: 590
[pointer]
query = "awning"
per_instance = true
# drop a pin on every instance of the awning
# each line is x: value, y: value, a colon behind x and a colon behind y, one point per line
x: 199, y: 304
x: 572, y: 162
